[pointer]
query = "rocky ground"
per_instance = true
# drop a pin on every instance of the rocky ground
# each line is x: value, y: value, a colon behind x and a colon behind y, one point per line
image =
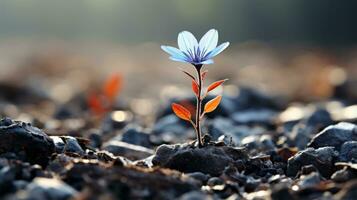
x: 255, y: 147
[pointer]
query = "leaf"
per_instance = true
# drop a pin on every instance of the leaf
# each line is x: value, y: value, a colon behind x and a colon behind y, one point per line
x: 212, y: 104
x: 215, y: 84
x: 112, y: 86
x: 95, y: 104
x: 204, y: 74
x: 188, y: 74
x: 195, y: 88
x: 181, y: 112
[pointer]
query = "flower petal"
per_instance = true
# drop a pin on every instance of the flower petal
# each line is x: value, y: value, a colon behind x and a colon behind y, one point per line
x: 217, y: 50
x: 174, y: 52
x: 209, y: 41
x: 207, y: 62
x: 187, y: 42
x: 179, y: 59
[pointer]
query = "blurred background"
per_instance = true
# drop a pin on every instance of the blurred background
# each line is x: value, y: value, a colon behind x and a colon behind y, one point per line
x: 299, y: 50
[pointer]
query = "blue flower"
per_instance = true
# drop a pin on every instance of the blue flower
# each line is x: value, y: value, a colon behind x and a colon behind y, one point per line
x: 196, y: 53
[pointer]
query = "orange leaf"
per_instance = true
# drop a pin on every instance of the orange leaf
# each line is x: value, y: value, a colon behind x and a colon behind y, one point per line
x: 212, y: 104
x: 112, y: 86
x: 204, y: 74
x: 215, y: 84
x: 95, y: 104
x: 188, y: 74
x: 181, y: 111
x: 195, y: 88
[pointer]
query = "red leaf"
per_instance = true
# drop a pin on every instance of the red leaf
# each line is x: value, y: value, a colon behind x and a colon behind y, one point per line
x: 215, y: 84
x: 212, y: 104
x: 112, y: 86
x: 181, y: 112
x: 95, y: 104
x: 188, y: 74
x: 195, y: 88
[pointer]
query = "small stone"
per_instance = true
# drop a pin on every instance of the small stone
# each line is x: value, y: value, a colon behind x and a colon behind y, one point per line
x: 45, y: 188
x: 248, y: 98
x: 95, y: 138
x: 322, y: 158
x: 59, y: 144
x: 310, y: 180
x: 319, y: 118
x: 335, y: 136
x: 215, y: 181
x: 72, y: 145
x: 196, y: 195
x: 348, y: 192
x: 344, y: 175
x: 348, y: 152
x: 224, y: 126
x: 170, y: 129
x: 134, y: 134
x: 199, y: 176
x: 263, y: 117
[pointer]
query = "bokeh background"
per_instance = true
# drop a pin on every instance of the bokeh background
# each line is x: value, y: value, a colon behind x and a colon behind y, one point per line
x: 299, y: 50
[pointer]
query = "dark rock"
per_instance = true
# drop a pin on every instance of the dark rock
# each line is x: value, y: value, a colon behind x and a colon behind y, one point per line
x: 301, y: 136
x: 281, y: 191
x: 199, y: 176
x: 348, y: 152
x: 318, y: 119
x: 133, y: 152
x: 349, y: 192
x: 187, y: 158
x: 59, y: 144
x: 196, y: 195
x: 215, y: 181
x: 251, y: 184
x: 309, y: 180
x: 303, y: 132
x: 22, y: 138
x: 72, y: 145
x: 45, y: 188
x: 344, y: 175
x: 322, y: 158
x: 20, y: 184
x: 134, y: 134
x: 259, y: 143
x: 224, y: 126
x: 170, y: 129
x: 254, y: 116
x: 347, y: 172
x: 116, y: 120
x: 335, y: 135
x: 250, y: 98
x: 95, y: 138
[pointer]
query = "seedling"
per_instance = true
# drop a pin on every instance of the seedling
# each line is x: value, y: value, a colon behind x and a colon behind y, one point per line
x: 197, y: 54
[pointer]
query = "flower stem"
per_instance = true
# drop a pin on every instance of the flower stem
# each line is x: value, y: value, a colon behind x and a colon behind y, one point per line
x: 199, y: 105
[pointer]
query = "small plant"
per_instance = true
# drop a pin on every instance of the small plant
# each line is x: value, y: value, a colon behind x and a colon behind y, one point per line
x: 197, y: 54
x: 100, y: 102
